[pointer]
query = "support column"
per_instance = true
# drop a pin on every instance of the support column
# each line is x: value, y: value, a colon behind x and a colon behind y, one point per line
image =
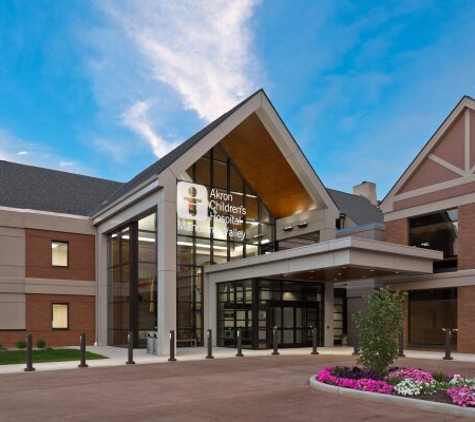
x: 102, y: 306
x: 328, y: 321
x: 166, y: 259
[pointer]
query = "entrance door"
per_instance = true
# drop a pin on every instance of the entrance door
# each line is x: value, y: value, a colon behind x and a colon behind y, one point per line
x: 294, y: 322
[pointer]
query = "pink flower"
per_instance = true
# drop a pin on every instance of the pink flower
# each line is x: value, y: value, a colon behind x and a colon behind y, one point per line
x: 412, y: 374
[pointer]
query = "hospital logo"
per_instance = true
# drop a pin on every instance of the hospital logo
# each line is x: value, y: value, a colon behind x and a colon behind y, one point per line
x: 192, y: 201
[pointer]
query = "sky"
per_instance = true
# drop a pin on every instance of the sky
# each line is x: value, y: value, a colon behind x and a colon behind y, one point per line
x: 107, y: 87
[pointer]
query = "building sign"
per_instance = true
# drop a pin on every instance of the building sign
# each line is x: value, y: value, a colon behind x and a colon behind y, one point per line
x: 196, y: 208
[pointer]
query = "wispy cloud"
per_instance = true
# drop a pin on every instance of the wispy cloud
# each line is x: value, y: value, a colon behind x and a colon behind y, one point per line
x: 137, y: 118
x: 187, y: 56
x: 15, y: 149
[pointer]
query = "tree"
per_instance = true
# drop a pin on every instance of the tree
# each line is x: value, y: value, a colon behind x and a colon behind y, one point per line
x: 378, y: 328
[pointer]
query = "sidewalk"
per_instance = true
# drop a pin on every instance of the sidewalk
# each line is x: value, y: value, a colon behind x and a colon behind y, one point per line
x: 117, y: 356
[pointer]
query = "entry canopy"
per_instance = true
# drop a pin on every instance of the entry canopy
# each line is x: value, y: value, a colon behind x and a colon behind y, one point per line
x: 335, y: 260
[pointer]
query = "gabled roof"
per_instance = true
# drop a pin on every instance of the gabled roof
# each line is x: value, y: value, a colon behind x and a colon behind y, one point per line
x: 35, y: 188
x: 167, y: 160
x: 256, y: 106
x: 438, y: 163
x: 356, y: 207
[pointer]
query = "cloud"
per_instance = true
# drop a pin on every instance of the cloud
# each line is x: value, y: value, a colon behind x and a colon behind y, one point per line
x: 17, y: 150
x: 186, y: 56
x: 137, y: 119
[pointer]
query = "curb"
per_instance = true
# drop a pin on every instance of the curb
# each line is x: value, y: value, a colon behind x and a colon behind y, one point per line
x: 447, y: 409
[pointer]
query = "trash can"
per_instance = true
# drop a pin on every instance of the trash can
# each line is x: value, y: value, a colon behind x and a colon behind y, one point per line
x: 152, y: 342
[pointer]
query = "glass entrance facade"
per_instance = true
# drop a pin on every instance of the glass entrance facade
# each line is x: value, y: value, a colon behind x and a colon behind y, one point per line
x: 257, y: 306
x: 234, y: 224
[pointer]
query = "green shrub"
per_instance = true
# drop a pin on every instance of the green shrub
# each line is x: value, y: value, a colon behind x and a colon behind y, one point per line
x: 40, y: 344
x: 21, y: 344
x: 1, y: 347
x: 378, y: 328
x: 440, y: 377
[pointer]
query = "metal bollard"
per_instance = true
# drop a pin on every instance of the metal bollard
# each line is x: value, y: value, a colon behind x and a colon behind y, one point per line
x: 401, y: 345
x: 82, y: 339
x: 29, y: 353
x: 239, y: 344
x: 210, y: 345
x: 314, y: 341
x: 448, y: 341
x: 274, y: 342
x: 130, y: 344
x: 172, y: 346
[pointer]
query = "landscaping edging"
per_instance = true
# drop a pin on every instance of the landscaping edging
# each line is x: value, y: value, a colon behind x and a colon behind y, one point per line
x: 448, y: 409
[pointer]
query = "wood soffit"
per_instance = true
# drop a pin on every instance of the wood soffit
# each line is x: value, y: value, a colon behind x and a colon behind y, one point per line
x: 263, y: 165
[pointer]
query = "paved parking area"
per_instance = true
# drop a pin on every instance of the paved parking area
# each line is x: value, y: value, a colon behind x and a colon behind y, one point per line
x: 246, y: 389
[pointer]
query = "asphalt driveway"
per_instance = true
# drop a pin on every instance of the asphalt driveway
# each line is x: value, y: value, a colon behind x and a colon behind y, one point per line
x: 247, y: 389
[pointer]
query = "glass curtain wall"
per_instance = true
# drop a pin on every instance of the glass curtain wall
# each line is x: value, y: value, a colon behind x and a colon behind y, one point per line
x: 429, y: 312
x: 256, y: 306
x: 437, y: 231
x: 242, y: 228
x: 132, y: 282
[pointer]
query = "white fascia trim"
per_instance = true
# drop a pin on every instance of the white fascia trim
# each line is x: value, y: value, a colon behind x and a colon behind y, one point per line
x: 144, y: 189
x: 430, y: 281
x: 441, y: 205
x: 48, y: 213
x: 387, y: 204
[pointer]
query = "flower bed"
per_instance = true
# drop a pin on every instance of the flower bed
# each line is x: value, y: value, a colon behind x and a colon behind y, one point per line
x: 409, y: 382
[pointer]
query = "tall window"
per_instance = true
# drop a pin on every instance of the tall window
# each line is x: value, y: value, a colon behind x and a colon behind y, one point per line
x: 60, y: 320
x: 437, y: 231
x: 59, y: 253
x: 133, y: 281
x: 239, y: 226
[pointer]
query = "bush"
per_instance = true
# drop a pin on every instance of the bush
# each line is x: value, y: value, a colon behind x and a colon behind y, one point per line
x: 378, y: 329
x: 1, y: 347
x: 21, y: 344
x: 40, y: 344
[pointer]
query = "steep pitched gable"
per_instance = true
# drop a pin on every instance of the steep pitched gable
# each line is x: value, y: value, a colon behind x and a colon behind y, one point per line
x: 444, y: 168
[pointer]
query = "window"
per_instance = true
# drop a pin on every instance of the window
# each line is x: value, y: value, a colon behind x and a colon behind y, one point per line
x: 59, y: 253
x: 60, y: 316
x: 437, y: 231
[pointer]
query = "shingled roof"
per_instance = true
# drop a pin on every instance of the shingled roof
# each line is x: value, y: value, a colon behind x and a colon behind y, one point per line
x: 35, y: 188
x: 167, y: 160
x: 358, y: 208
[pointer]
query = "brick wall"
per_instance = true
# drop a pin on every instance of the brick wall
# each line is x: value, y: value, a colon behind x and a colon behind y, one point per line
x: 81, y: 255
x: 466, y: 319
x: 397, y: 231
x: 39, y: 318
x: 466, y: 237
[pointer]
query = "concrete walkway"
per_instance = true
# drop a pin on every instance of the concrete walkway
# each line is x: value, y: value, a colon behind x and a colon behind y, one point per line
x: 257, y: 389
x: 117, y: 356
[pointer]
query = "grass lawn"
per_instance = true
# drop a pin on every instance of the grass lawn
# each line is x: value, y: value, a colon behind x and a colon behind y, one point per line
x: 9, y: 357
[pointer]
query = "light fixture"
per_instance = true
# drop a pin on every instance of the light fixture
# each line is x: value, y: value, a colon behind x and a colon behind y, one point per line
x: 257, y: 236
x: 288, y: 229
x: 302, y: 225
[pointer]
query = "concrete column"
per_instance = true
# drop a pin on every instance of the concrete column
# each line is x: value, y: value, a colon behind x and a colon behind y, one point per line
x: 210, y: 307
x: 101, y: 290
x: 166, y: 259
x: 328, y: 322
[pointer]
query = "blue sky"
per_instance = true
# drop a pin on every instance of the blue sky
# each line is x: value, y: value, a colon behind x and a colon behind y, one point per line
x: 105, y: 87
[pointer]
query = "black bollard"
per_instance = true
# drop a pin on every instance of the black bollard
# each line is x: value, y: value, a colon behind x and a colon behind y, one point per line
x: 82, y: 339
x: 314, y: 341
x: 448, y: 343
x: 29, y: 353
x: 401, y: 345
x: 130, y: 344
x: 172, y: 347
x: 239, y: 344
x: 210, y: 345
x: 274, y: 342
